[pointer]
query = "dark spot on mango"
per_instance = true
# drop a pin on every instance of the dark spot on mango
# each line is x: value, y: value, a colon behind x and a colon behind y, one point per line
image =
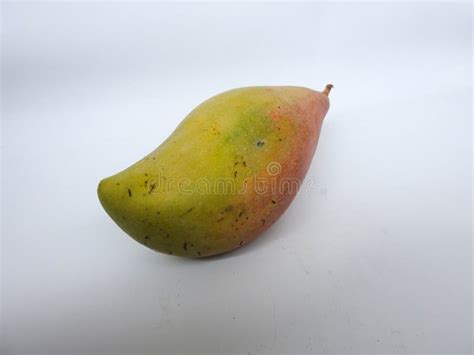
x: 263, y: 222
x: 118, y: 184
x: 244, y: 164
x: 274, y: 202
x: 129, y: 193
x: 220, y: 219
x: 260, y: 144
x: 185, y: 246
x: 152, y: 187
x: 188, y: 211
x: 235, y: 174
x: 241, y: 242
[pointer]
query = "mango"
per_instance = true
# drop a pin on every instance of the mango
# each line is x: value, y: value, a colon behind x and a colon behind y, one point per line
x: 226, y: 174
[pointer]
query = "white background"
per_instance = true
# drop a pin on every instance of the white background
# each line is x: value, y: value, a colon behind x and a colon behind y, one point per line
x: 376, y: 258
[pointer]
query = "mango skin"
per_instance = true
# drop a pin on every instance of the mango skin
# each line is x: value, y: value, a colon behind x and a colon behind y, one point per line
x: 227, y: 173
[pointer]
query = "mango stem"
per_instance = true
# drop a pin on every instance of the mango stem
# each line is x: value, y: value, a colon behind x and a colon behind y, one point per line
x: 328, y: 89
